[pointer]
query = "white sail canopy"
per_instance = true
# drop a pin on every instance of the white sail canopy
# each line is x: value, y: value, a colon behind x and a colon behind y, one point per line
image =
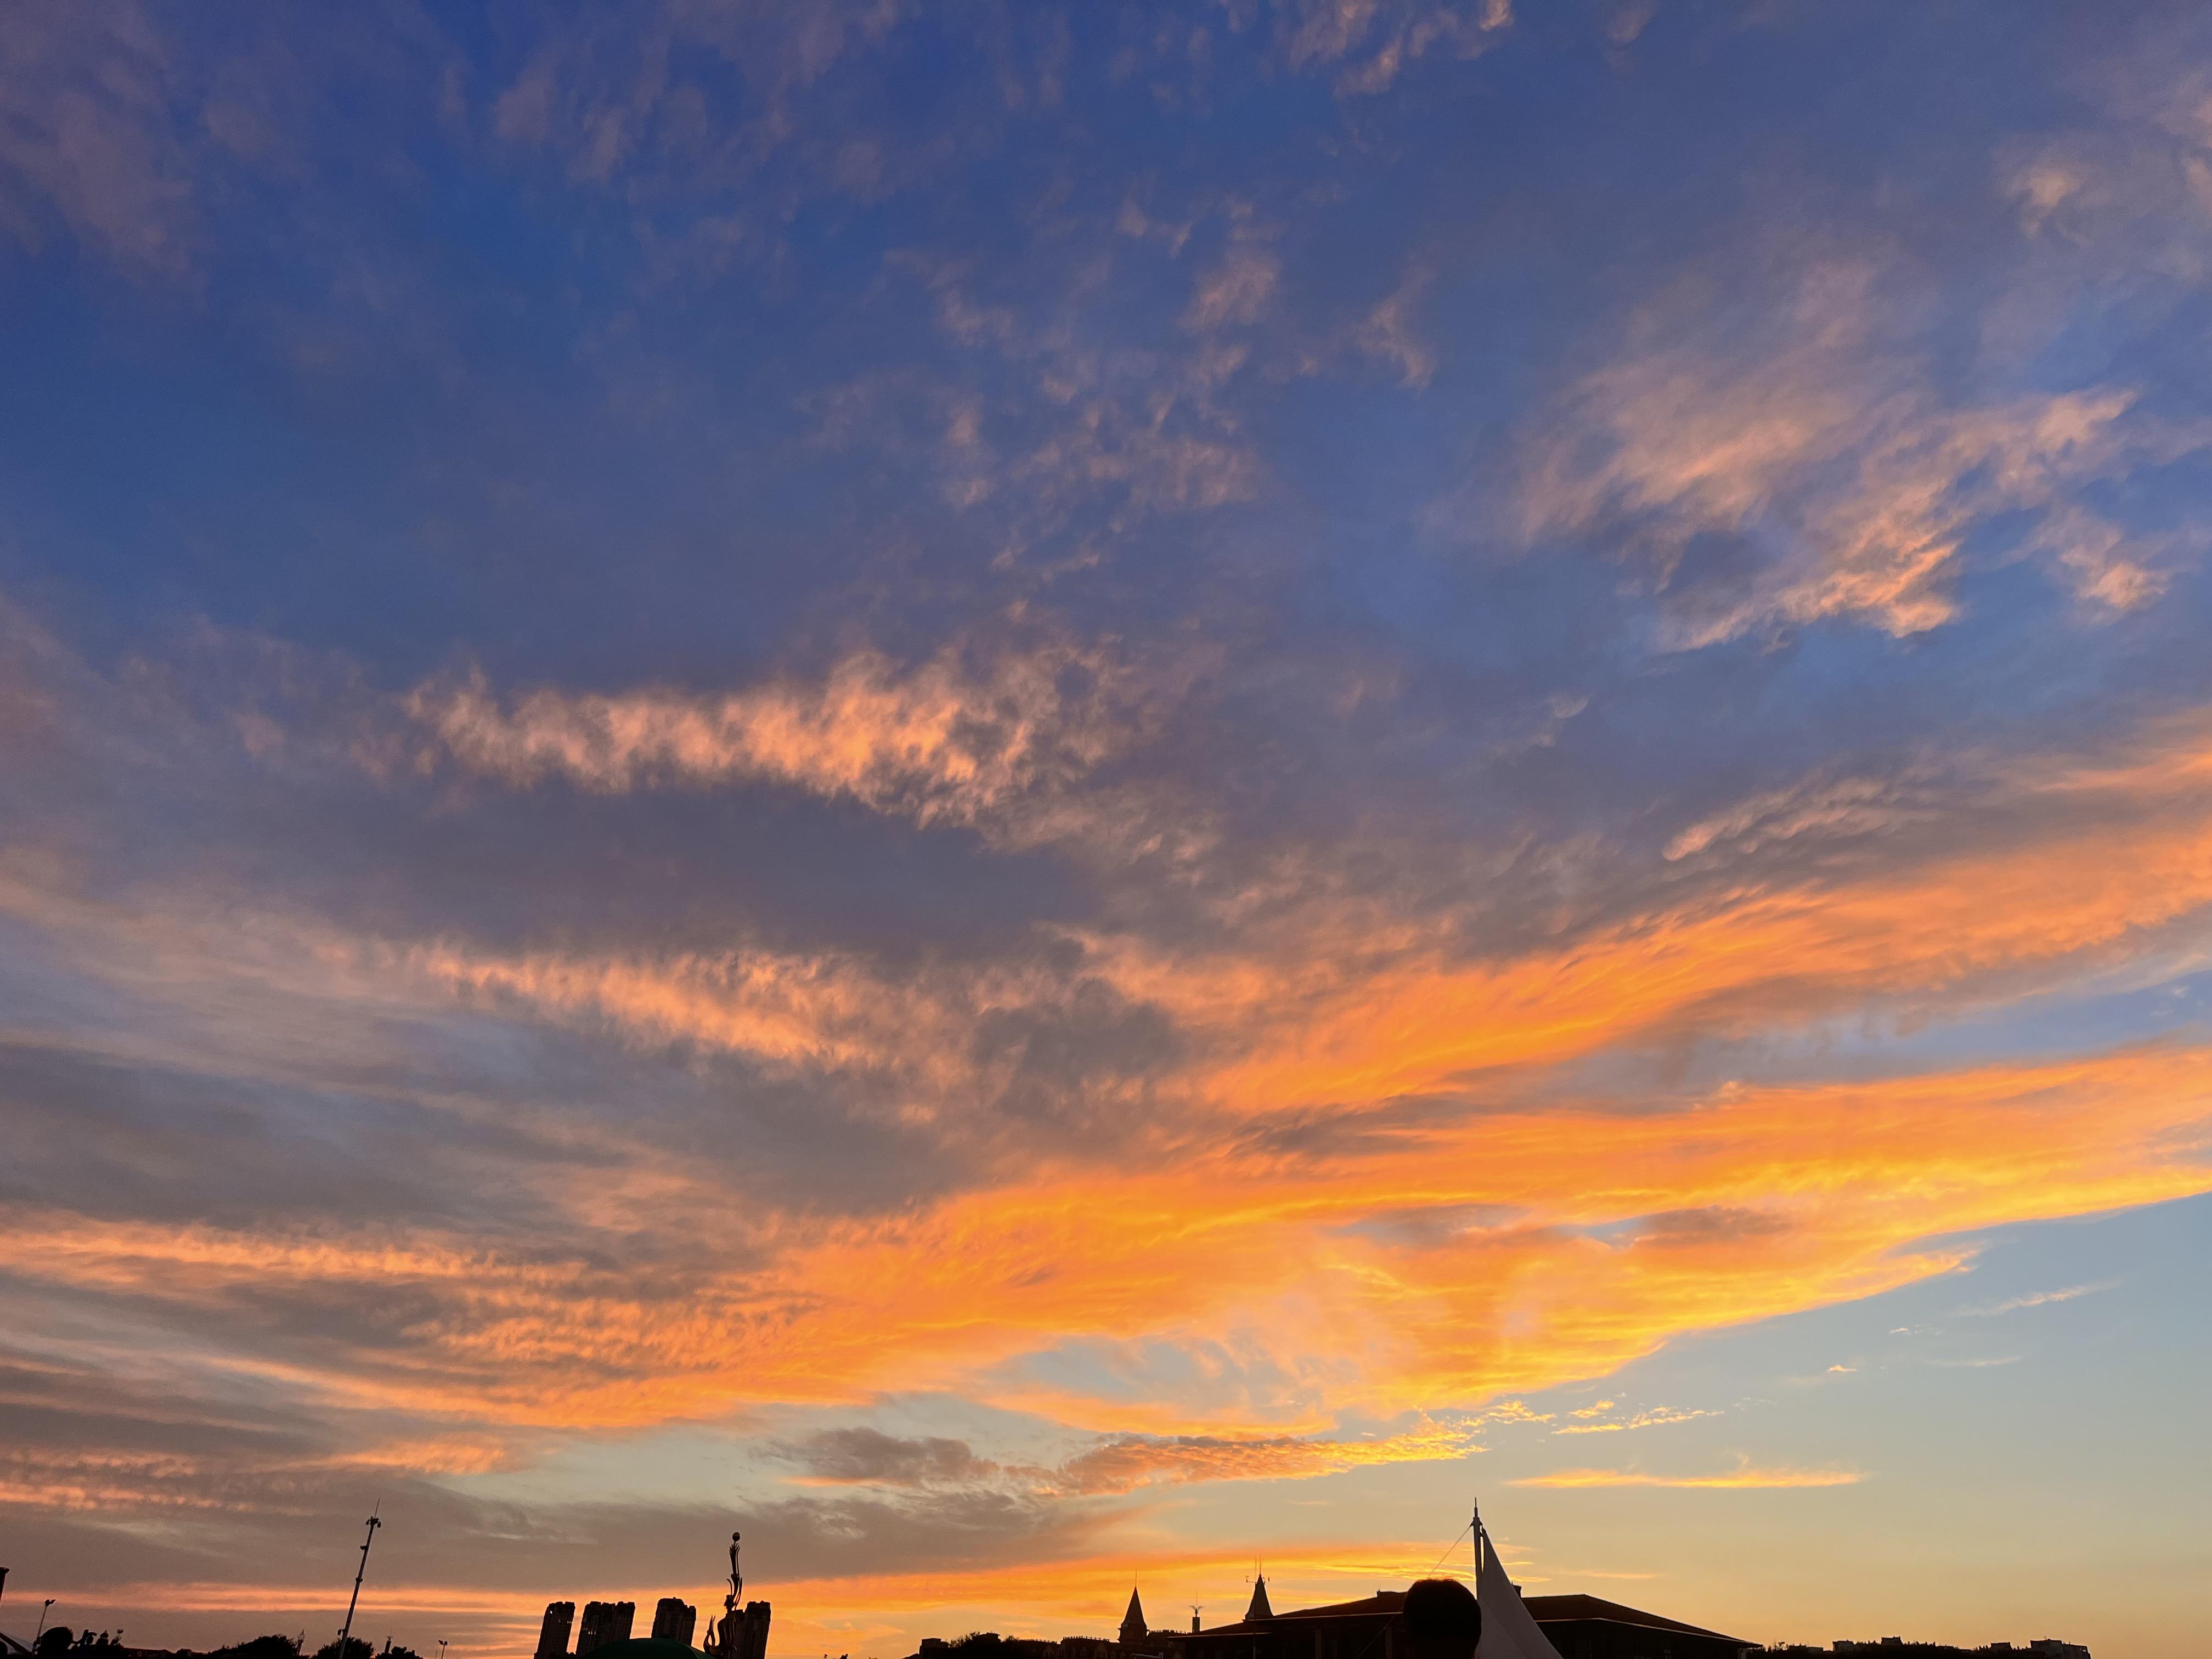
x: 1508, y: 1630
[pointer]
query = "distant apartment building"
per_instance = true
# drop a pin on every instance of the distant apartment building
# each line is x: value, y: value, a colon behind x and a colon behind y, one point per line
x: 553, y: 1634
x: 605, y: 1622
x: 674, y: 1619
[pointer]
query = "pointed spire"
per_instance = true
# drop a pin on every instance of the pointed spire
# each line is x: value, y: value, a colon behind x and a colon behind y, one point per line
x: 1133, y: 1628
x: 1259, y: 1609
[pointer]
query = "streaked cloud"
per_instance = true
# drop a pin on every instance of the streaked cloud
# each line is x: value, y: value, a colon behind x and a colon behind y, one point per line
x: 2037, y: 1299
x: 90, y: 137
x: 1656, y: 1417
x: 1127, y: 1462
x: 837, y: 1311
x: 1374, y: 42
x: 1820, y: 438
x: 1747, y: 1478
x: 938, y: 741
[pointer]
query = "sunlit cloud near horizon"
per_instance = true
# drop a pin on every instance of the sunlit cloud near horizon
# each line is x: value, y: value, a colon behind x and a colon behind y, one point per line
x: 1044, y: 796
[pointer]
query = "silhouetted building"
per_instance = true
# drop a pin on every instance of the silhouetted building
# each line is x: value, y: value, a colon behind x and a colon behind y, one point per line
x: 746, y: 1635
x: 1896, y: 1647
x: 1590, y: 1627
x: 674, y: 1619
x: 605, y: 1622
x: 1258, y: 1608
x: 1579, y: 1627
x: 1367, y: 1629
x: 553, y: 1634
x: 1020, y: 1647
x: 1134, y: 1631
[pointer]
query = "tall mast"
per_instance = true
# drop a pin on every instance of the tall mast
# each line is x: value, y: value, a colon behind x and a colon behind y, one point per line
x: 374, y: 1523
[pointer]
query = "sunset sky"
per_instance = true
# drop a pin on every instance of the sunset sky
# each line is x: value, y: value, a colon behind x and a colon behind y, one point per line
x: 1045, y: 794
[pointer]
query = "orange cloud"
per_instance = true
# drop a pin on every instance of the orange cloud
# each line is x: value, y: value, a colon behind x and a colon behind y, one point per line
x: 1735, y: 1479
x: 1834, y: 436
x: 1848, y: 1176
x: 940, y: 740
x: 824, y: 1010
x: 1596, y: 1234
x: 235, y: 1597
x: 1653, y: 1418
x: 1341, y: 1002
x: 1125, y: 1462
x: 1337, y: 1002
x: 110, y: 1480
x: 1844, y: 1179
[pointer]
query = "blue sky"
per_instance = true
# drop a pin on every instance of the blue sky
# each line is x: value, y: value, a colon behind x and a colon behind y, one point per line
x: 1045, y: 792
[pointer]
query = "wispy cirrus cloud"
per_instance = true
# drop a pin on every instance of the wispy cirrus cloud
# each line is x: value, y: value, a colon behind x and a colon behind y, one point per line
x: 1821, y: 443
x: 833, y: 1310
x: 1706, y: 1230
x: 2037, y: 1299
x: 1746, y: 1478
x: 1127, y: 1462
x: 1292, y: 1004
x: 92, y: 135
x: 1118, y: 1464
x: 2127, y: 198
x: 602, y: 100
x: 941, y: 739
x: 1657, y: 1417
x: 1369, y: 43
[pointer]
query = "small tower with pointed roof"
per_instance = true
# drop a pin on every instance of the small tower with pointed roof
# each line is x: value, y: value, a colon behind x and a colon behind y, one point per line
x: 1259, y: 1609
x: 1133, y: 1629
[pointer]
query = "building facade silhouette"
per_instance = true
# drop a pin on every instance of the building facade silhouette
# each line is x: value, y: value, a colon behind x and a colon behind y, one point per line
x: 553, y: 1634
x: 674, y: 1619
x: 605, y: 1622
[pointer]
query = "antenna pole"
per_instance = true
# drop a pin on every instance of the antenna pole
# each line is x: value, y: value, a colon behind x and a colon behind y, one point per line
x: 346, y: 1633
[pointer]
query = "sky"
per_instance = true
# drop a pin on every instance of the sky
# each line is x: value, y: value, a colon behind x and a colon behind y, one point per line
x: 1053, y: 795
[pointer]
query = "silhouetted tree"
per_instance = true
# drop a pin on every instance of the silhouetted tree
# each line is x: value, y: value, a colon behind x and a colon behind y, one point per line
x: 56, y: 1640
x: 354, y: 1648
x: 980, y: 1644
x: 261, y: 1647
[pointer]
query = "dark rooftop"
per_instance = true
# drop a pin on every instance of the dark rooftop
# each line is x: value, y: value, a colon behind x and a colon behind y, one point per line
x: 1545, y: 1609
